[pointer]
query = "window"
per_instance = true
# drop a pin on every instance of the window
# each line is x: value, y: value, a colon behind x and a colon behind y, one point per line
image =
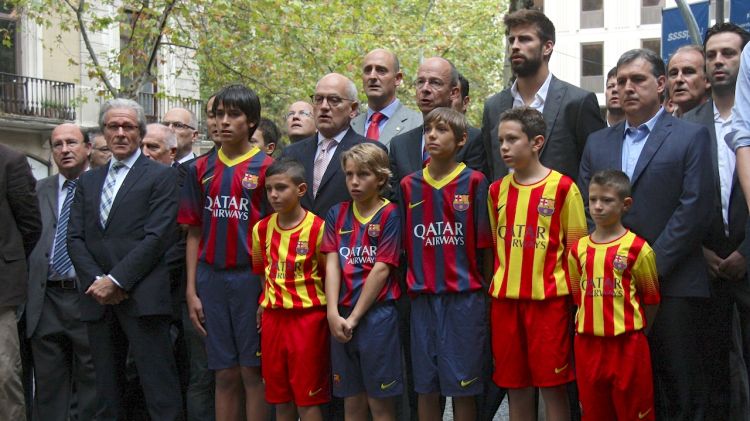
x: 592, y: 14
x: 591, y: 5
x: 651, y: 11
x: 592, y: 67
x: 8, y: 39
x: 653, y: 44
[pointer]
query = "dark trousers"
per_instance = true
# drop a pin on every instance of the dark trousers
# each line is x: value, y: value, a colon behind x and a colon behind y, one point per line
x: 200, y: 390
x: 717, y: 342
x: 151, y: 348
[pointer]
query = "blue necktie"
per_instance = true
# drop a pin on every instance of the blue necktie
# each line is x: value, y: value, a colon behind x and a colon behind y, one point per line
x: 108, y: 192
x: 61, y: 263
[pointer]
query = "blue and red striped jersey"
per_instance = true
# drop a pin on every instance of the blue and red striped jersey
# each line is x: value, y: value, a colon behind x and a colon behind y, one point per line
x: 360, y: 243
x: 445, y: 222
x: 225, y: 197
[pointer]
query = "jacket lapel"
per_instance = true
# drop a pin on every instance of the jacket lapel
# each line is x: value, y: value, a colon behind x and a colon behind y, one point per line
x: 134, y: 174
x: 552, y: 105
x: 662, y: 129
x: 333, y: 164
x: 49, y: 195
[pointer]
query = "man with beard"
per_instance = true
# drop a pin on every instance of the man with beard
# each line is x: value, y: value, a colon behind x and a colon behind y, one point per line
x: 612, y: 99
x: 571, y: 113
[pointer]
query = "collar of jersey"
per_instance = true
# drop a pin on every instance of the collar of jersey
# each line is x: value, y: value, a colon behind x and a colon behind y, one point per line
x: 232, y: 162
x: 439, y: 184
x: 301, y: 223
x: 521, y: 185
x: 363, y: 220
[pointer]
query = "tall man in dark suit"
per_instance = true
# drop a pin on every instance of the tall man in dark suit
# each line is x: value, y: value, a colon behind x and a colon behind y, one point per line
x: 334, y: 102
x: 59, y: 341
x: 386, y: 116
x: 571, y: 113
x: 121, y: 222
x: 725, y: 248
x: 19, y: 232
x: 669, y: 165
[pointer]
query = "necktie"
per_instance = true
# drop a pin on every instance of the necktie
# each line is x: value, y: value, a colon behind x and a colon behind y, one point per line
x: 108, y: 192
x: 373, y: 130
x: 319, y: 168
x: 61, y: 263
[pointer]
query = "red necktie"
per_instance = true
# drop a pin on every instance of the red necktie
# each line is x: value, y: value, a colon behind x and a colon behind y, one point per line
x: 373, y: 130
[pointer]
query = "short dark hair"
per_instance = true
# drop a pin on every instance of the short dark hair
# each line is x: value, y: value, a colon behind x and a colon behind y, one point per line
x: 243, y: 98
x: 289, y: 166
x: 271, y: 132
x: 615, y: 179
x: 531, y: 121
x: 611, y: 73
x: 464, y: 85
x: 727, y: 27
x: 544, y: 27
x: 657, y: 64
x: 451, y: 117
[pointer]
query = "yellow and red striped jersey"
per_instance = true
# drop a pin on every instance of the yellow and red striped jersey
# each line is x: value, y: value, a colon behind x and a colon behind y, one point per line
x: 533, y: 226
x: 291, y: 261
x: 610, y: 282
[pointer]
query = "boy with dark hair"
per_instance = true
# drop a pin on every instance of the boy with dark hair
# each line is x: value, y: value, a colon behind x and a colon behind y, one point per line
x: 222, y: 198
x: 536, y: 214
x: 444, y: 226
x: 612, y: 276
x: 267, y: 136
x: 292, y: 317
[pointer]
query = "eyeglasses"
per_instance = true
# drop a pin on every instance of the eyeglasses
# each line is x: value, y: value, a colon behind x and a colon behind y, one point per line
x: 58, y: 145
x: 433, y: 83
x: 127, y: 128
x: 104, y: 149
x: 177, y: 125
x: 302, y: 113
x: 333, y: 100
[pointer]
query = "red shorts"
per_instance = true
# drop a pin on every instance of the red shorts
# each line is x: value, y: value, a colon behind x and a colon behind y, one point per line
x: 296, y: 360
x: 614, y: 377
x: 531, y: 342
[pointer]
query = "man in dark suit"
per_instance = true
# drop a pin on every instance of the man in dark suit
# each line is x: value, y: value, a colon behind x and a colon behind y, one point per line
x: 59, y: 341
x: 669, y: 165
x: 437, y: 85
x: 334, y: 102
x: 725, y: 247
x: 386, y: 116
x: 121, y: 223
x: 571, y: 113
x: 19, y: 232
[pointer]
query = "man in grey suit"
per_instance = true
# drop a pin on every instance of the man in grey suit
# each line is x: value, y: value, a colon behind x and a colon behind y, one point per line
x: 669, y: 164
x: 59, y: 341
x: 571, y: 113
x: 386, y: 116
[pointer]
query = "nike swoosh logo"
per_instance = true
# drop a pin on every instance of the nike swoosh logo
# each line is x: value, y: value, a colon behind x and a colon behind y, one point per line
x: 205, y: 180
x: 467, y: 383
x: 561, y: 369
x: 311, y: 393
x: 414, y: 205
x: 384, y: 386
x: 642, y: 415
x: 499, y: 208
x: 342, y: 232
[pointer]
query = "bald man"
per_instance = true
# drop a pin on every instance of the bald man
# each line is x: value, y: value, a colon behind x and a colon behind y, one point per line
x: 386, y: 117
x: 185, y: 126
x: 300, y: 123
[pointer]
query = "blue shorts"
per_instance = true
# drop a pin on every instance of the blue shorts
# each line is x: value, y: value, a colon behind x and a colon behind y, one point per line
x: 371, y: 361
x: 230, y: 301
x: 448, y: 337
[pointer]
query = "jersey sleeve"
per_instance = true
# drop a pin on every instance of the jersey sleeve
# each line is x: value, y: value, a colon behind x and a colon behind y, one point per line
x: 573, y: 217
x: 574, y: 273
x: 191, y: 199
x: 319, y: 254
x: 258, y: 250
x: 646, y: 276
x: 330, y: 239
x: 492, y: 210
x: 389, y: 245
x: 481, y: 215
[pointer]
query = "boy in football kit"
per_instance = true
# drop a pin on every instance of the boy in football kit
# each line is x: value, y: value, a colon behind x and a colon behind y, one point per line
x: 444, y: 220
x: 362, y: 245
x: 221, y: 199
x: 286, y: 249
x: 536, y: 214
x: 612, y: 276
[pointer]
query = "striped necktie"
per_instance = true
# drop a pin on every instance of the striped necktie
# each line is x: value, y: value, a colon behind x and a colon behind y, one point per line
x: 108, y: 191
x: 61, y: 263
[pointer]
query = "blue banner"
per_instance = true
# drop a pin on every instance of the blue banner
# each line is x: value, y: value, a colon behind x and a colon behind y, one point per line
x: 674, y: 32
x: 739, y: 13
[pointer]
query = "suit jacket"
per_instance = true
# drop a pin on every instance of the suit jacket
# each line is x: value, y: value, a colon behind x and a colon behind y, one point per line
x: 332, y: 189
x: 402, y: 120
x: 571, y: 115
x: 716, y: 238
x: 131, y: 247
x: 405, y: 155
x: 672, y: 190
x: 21, y: 224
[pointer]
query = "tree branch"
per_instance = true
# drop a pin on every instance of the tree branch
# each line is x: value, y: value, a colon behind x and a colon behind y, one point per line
x: 147, y: 74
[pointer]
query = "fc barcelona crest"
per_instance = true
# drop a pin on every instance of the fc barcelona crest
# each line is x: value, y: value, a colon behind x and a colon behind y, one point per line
x: 620, y: 262
x: 250, y: 181
x: 461, y: 202
x: 546, y: 206
x: 302, y: 247
x: 373, y: 230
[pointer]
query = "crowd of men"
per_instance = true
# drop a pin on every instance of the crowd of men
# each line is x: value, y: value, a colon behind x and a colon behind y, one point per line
x: 102, y: 298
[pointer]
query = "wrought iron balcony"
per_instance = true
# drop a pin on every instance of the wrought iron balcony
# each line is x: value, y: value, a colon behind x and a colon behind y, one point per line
x: 155, y: 107
x: 33, y: 97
